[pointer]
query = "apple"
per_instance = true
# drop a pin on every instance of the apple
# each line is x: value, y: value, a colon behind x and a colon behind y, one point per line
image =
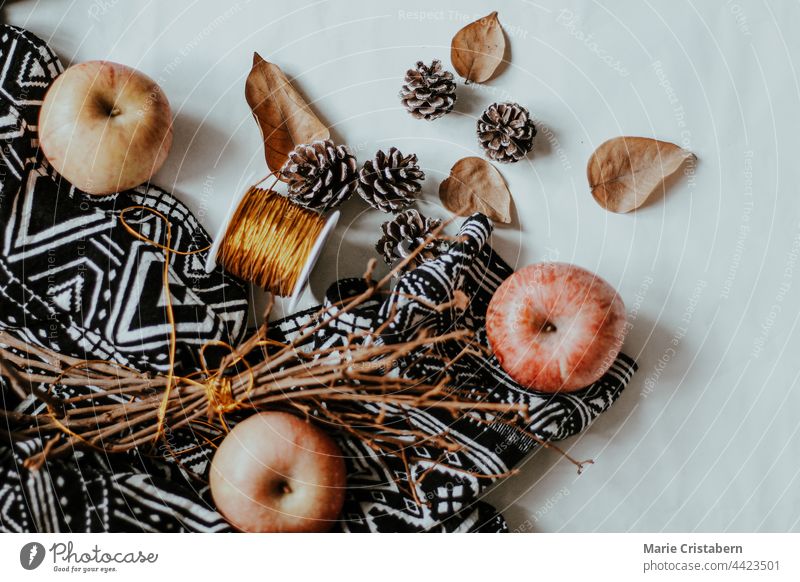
x: 555, y: 326
x: 277, y: 473
x: 105, y: 127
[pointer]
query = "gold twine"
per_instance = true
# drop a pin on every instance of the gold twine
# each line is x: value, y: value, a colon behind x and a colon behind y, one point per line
x: 269, y: 240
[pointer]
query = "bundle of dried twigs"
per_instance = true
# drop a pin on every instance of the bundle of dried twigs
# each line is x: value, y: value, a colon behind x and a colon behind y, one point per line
x: 125, y: 408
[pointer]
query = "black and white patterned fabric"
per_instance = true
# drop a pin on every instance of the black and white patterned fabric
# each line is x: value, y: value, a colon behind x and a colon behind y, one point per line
x: 73, y: 279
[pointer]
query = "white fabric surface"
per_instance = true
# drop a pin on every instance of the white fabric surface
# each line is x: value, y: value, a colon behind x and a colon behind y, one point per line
x: 706, y: 436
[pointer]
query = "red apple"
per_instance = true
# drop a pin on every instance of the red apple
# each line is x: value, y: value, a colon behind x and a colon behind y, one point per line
x: 105, y: 127
x: 554, y: 326
x: 277, y: 473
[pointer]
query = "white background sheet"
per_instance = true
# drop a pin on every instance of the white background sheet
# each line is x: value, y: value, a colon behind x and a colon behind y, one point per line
x: 706, y: 436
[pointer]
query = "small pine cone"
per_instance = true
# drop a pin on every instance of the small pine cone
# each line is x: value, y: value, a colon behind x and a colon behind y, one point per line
x: 429, y: 92
x: 320, y: 175
x: 404, y: 233
x: 506, y: 132
x: 390, y: 181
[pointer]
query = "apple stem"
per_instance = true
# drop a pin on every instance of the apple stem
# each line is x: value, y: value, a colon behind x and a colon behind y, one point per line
x: 114, y: 112
x: 548, y: 327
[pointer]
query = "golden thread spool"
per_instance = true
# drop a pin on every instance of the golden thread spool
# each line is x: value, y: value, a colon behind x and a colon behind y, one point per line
x: 270, y: 241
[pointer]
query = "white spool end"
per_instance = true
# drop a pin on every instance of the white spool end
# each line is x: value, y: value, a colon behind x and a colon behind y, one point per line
x: 313, y: 256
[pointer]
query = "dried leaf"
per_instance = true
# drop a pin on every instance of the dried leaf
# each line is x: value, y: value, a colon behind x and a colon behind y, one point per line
x: 477, y: 49
x: 282, y: 114
x: 475, y: 185
x: 624, y: 171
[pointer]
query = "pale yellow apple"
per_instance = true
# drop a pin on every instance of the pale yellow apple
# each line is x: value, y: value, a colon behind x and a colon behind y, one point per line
x: 105, y: 127
x: 277, y: 473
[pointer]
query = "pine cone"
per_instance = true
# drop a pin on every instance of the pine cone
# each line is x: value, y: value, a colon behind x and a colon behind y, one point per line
x: 320, y: 175
x: 506, y: 132
x: 404, y: 233
x: 390, y: 181
x: 429, y: 92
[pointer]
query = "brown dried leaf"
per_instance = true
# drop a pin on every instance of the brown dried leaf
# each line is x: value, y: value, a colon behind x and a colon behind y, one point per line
x: 475, y: 185
x: 477, y: 49
x: 624, y: 171
x: 284, y: 117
